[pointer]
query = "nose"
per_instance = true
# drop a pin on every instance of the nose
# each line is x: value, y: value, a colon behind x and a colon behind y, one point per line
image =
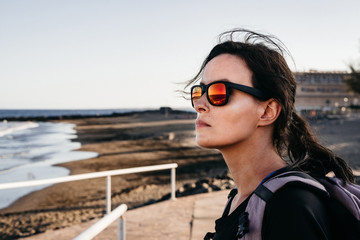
x: 201, y: 105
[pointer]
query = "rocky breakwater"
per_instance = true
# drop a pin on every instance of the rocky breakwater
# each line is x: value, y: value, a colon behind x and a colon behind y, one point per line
x: 204, y: 185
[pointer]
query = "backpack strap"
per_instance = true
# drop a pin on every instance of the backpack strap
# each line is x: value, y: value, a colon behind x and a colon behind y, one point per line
x: 243, y: 227
x: 264, y: 192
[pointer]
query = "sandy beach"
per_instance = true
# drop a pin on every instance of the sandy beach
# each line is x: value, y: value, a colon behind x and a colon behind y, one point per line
x: 134, y: 140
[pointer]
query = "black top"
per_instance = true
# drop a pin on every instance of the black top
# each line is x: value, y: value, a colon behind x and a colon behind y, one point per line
x: 293, y: 212
x: 226, y: 227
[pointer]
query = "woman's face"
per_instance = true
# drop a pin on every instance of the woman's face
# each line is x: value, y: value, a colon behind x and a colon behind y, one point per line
x: 236, y: 122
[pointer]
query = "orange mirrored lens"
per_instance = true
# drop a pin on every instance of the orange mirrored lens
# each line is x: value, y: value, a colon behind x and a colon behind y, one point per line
x: 196, y: 94
x: 217, y: 93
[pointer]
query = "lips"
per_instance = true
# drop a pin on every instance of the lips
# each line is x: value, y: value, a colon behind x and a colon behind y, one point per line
x: 200, y: 123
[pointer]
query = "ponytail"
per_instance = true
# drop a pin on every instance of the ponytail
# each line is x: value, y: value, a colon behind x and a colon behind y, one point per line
x: 307, y: 154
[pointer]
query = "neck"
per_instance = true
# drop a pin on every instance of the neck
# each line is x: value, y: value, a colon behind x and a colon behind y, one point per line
x: 250, y: 163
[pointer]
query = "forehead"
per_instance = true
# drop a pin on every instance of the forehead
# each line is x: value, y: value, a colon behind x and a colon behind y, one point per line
x: 227, y: 67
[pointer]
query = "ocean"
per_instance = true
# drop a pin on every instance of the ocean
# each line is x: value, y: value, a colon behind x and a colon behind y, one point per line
x: 29, y: 150
x: 28, y: 113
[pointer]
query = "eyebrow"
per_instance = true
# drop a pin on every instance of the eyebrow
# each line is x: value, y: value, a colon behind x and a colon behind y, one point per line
x: 218, y: 80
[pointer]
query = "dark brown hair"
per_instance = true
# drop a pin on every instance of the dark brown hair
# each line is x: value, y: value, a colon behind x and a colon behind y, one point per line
x: 293, y: 138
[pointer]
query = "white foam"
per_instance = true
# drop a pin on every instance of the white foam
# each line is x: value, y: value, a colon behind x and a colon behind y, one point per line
x: 39, y: 170
x: 10, y: 127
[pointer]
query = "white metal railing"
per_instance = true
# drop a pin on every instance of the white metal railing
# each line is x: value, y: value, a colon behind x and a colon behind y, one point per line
x: 103, y: 223
x: 106, y: 174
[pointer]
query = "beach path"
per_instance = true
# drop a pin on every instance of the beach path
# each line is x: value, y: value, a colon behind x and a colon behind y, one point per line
x: 185, y: 218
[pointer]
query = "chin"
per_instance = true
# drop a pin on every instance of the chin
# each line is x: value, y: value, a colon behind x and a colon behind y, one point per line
x: 206, y: 143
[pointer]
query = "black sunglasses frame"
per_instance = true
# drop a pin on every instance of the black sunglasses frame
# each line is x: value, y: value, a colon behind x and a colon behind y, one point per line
x: 246, y: 89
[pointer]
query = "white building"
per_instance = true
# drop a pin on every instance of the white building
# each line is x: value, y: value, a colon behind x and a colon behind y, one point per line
x: 323, y: 91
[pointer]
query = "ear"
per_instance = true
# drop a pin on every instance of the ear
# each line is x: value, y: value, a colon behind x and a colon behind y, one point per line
x: 271, y: 112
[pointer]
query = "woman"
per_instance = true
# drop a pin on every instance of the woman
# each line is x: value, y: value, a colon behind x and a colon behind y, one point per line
x: 245, y: 109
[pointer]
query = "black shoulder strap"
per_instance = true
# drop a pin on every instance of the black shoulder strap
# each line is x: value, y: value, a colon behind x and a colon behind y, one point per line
x: 263, y: 192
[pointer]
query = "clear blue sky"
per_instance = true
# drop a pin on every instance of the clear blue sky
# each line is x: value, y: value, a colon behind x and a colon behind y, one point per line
x: 130, y: 54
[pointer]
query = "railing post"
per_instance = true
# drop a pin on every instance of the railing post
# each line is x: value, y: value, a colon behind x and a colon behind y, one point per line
x: 173, y: 197
x: 108, y: 194
x: 103, y: 223
x: 121, y: 228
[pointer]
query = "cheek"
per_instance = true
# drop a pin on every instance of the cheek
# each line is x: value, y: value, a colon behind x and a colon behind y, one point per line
x: 234, y: 125
x: 241, y: 128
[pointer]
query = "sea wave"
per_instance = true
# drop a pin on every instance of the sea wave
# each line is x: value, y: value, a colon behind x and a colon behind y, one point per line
x: 7, y: 128
x: 14, y: 154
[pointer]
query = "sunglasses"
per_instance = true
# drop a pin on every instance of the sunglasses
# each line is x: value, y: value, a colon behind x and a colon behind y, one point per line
x: 218, y: 92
